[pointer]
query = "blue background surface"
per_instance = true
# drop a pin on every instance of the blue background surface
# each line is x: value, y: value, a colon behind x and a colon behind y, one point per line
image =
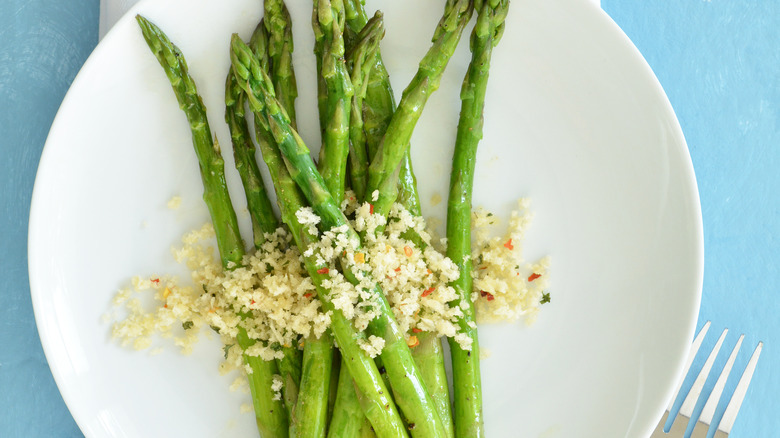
x: 718, y: 60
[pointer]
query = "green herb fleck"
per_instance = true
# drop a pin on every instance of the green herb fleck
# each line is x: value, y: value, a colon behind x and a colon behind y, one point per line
x: 545, y: 298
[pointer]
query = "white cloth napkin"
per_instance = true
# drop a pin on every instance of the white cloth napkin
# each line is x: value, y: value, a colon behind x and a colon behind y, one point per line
x: 112, y: 10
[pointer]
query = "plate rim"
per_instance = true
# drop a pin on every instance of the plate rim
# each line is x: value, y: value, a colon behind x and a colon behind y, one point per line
x: 591, y: 8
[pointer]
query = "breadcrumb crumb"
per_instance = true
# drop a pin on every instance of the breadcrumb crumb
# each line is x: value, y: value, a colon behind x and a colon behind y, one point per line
x: 174, y: 203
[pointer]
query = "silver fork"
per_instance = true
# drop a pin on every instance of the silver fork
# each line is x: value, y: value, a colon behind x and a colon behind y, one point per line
x: 704, y: 422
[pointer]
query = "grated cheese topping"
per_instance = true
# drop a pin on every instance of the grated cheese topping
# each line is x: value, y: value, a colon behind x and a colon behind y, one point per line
x: 506, y: 287
x: 279, y: 302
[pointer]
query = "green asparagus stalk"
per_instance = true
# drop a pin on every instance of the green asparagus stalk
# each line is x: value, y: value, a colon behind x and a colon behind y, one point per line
x: 262, y: 215
x: 379, y: 107
x: 307, y: 401
x: 411, y: 395
x: 290, y: 364
x: 360, y: 60
x: 355, y: 36
x: 379, y: 102
x: 280, y: 47
x: 310, y: 417
x: 382, y: 173
x: 259, y: 205
x: 269, y: 413
x: 348, y: 416
x: 348, y: 420
x: 335, y: 371
x: 378, y: 406
x: 465, y: 363
x: 335, y: 92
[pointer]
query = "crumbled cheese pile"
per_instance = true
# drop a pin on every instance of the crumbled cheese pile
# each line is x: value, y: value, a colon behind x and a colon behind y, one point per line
x: 506, y: 288
x: 279, y: 302
x: 172, y: 316
x: 399, y: 259
x: 271, y: 289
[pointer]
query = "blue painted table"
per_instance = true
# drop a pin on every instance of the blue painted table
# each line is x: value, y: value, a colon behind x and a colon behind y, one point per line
x: 718, y: 61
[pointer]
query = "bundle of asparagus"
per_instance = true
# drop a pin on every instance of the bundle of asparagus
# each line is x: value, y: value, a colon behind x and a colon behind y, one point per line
x: 344, y: 391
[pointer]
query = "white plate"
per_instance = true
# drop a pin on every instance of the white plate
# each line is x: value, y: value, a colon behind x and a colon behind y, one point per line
x: 575, y: 120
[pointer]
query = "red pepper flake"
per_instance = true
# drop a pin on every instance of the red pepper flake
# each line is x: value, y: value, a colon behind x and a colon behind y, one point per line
x: 308, y: 295
x: 416, y: 330
x: 398, y: 269
x: 155, y: 280
x: 427, y: 292
x: 323, y: 271
x: 166, y: 306
x: 408, y: 251
x: 251, y: 302
x: 533, y: 276
x: 488, y: 295
x: 428, y: 272
x: 509, y: 245
x: 371, y: 208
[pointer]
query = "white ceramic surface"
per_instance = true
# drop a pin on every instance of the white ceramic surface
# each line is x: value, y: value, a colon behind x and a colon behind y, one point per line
x: 575, y: 120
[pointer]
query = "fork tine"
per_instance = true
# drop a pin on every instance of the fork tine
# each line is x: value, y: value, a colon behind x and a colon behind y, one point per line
x: 693, y: 395
x: 691, y: 354
x: 712, y: 402
x: 739, y: 393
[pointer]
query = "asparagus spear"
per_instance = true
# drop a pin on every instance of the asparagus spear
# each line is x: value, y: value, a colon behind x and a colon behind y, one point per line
x: 260, y: 210
x: 335, y: 94
x: 348, y: 416
x: 382, y: 173
x: 465, y: 364
x: 357, y: 24
x: 379, y: 107
x: 378, y: 406
x: 263, y: 218
x: 348, y: 420
x: 411, y: 396
x: 269, y: 413
x: 290, y: 364
x: 335, y: 97
x: 280, y: 47
x: 360, y: 60
x: 379, y: 102
x: 307, y: 402
x: 328, y: 23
